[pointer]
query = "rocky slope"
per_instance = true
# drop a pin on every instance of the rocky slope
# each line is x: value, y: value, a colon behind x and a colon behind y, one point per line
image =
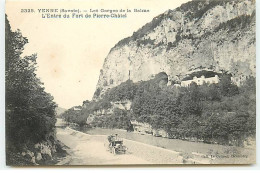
x: 199, y: 35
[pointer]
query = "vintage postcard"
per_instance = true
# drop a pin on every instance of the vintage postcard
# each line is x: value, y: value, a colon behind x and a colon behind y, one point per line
x: 133, y: 82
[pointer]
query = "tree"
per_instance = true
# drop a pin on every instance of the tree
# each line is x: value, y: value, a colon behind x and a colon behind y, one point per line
x: 191, y: 100
x: 226, y: 86
x: 30, y: 111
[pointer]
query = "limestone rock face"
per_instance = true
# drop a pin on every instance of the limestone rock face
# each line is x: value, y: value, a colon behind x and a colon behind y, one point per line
x: 199, y: 35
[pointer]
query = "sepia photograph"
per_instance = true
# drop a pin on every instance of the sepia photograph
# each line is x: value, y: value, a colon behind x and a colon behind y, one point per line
x: 130, y: 83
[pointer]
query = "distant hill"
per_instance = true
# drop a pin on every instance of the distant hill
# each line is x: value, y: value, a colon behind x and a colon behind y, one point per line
x: 60, y: 110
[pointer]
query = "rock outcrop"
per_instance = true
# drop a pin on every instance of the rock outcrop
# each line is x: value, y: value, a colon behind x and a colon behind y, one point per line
x: 46, y: 152
x: 39, y: 154
x: 199, y: 35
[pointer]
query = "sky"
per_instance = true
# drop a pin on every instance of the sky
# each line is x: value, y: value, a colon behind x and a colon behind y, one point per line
x: 71, y: 51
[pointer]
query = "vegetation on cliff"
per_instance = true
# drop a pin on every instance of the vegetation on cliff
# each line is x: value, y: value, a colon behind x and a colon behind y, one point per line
x: 222, y: 112
x: 192, y: 10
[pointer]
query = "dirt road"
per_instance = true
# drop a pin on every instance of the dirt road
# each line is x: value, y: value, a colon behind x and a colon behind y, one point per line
x: 86, y: 149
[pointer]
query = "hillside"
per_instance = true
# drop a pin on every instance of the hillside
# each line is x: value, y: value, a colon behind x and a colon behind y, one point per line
x: 199, y: 35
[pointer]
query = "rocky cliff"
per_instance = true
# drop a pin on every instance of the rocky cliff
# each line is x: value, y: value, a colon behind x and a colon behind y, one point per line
x: 199, y: 35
